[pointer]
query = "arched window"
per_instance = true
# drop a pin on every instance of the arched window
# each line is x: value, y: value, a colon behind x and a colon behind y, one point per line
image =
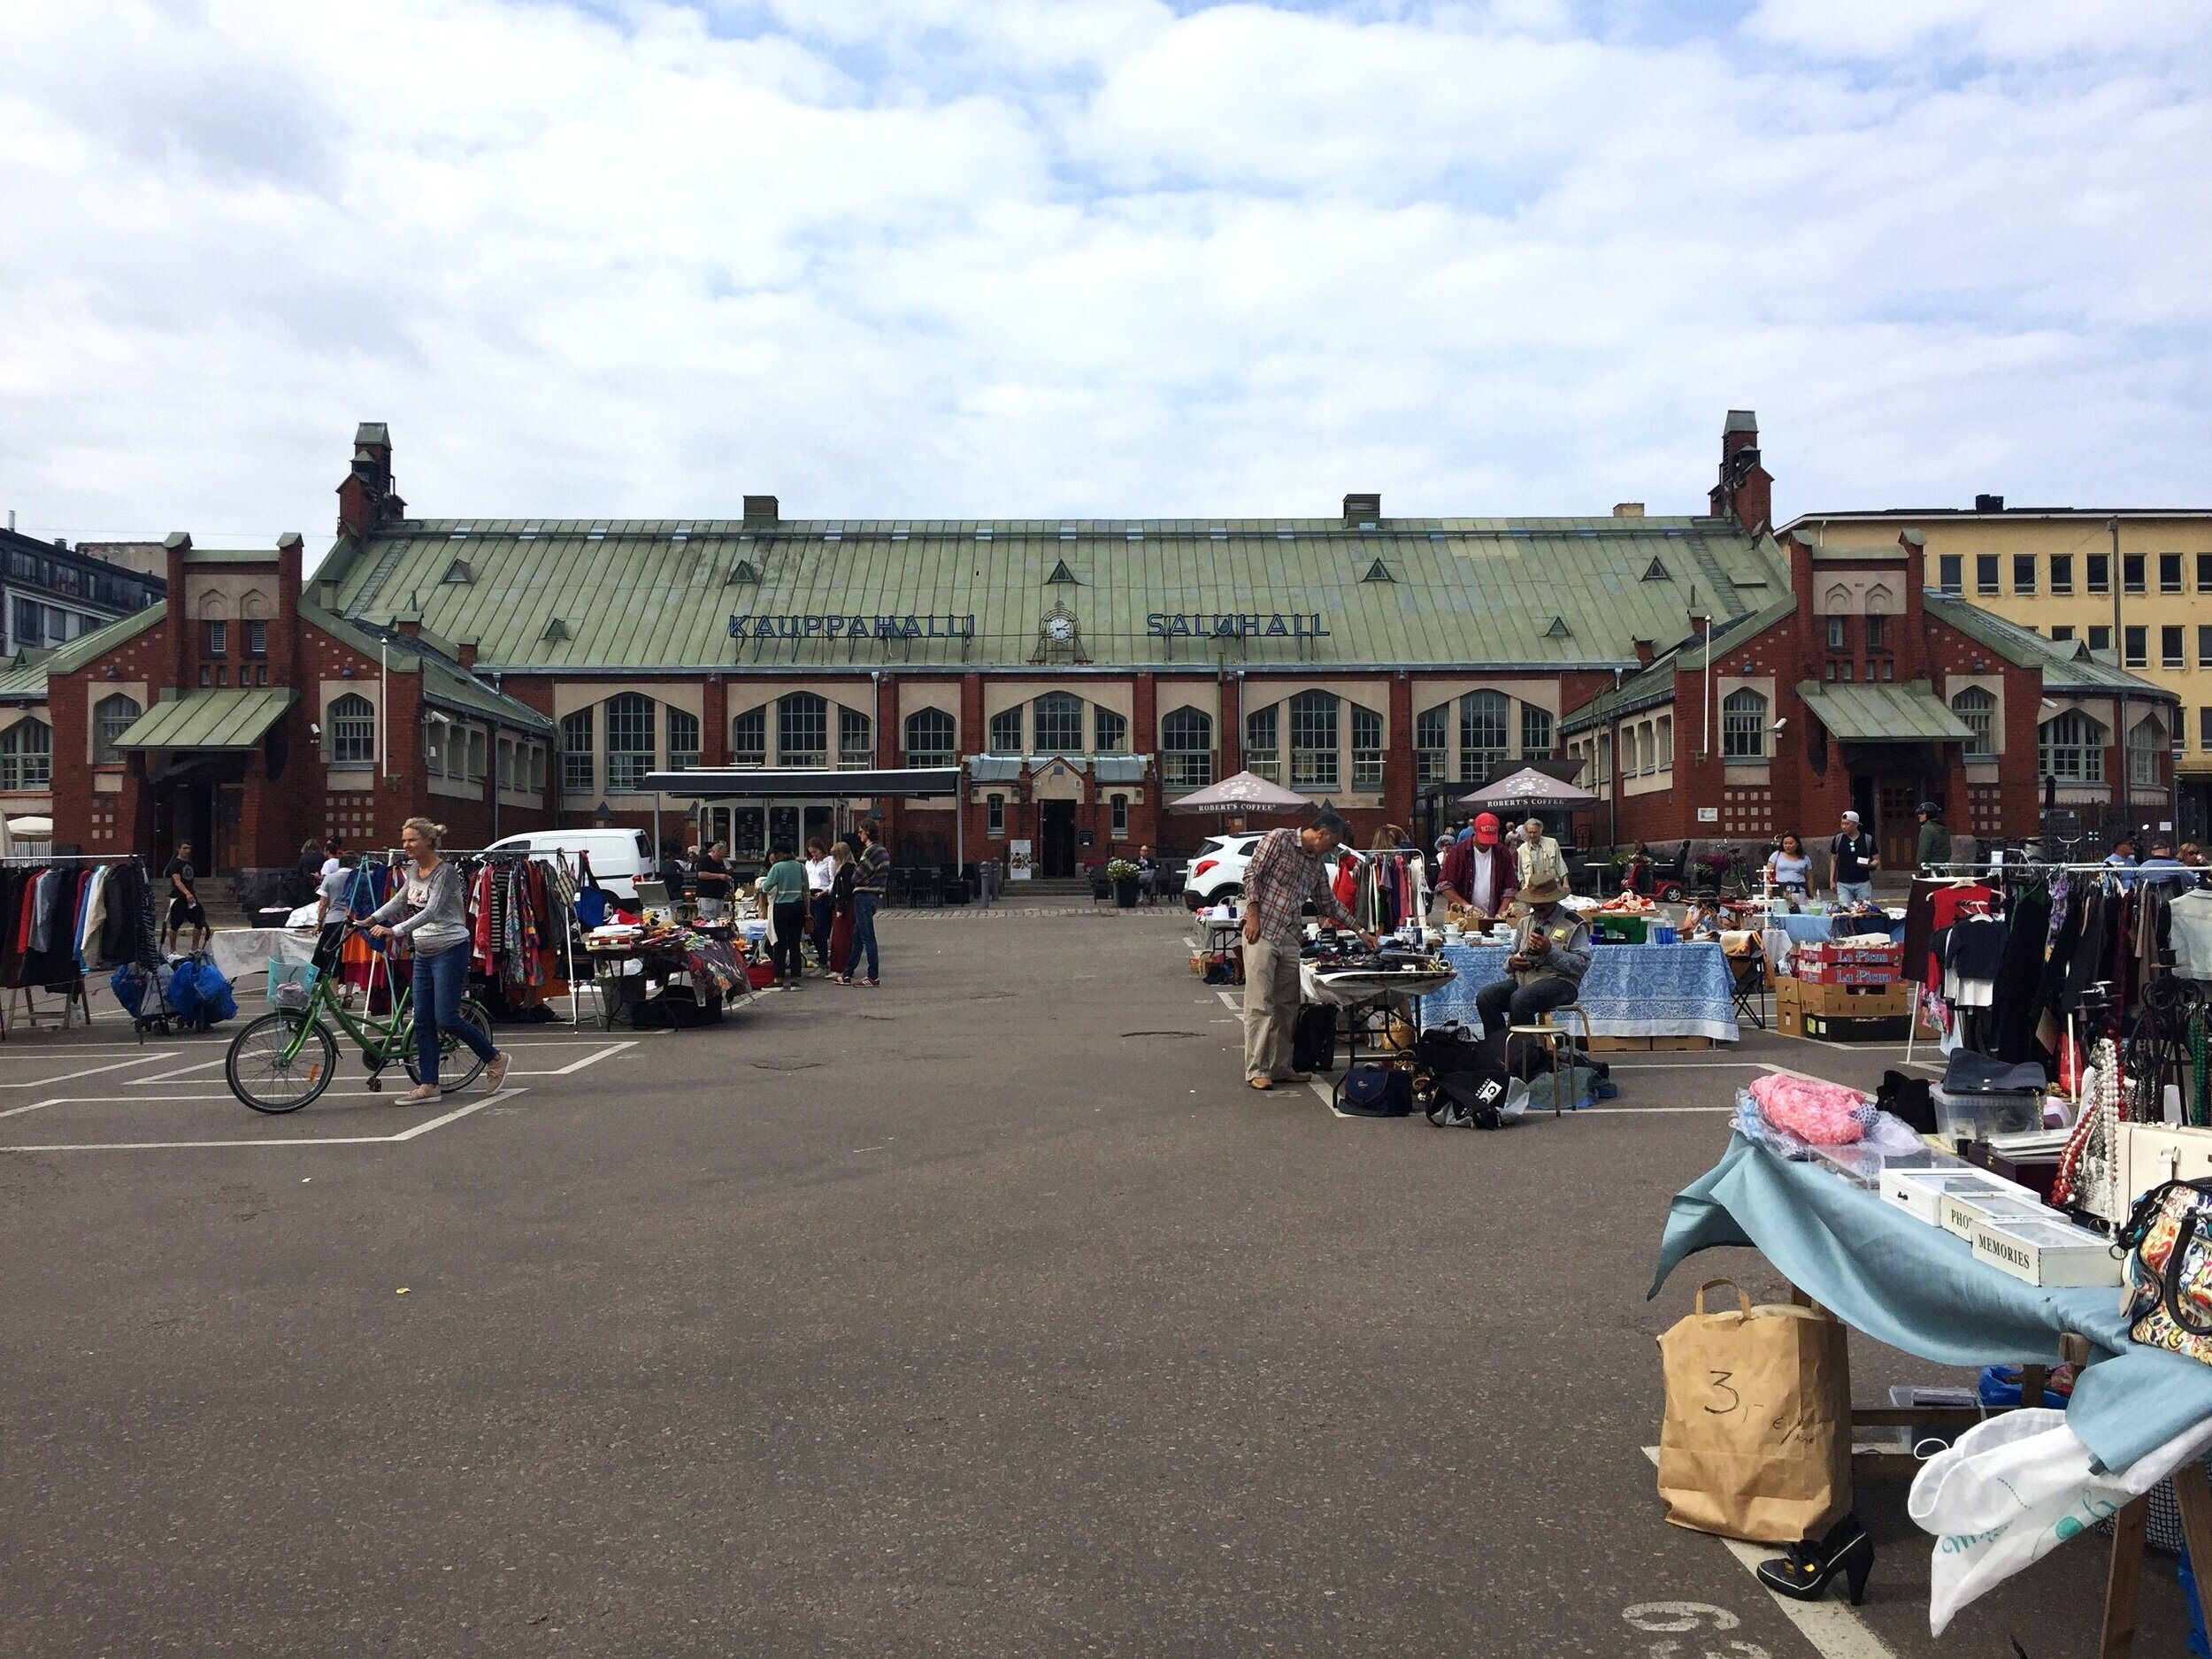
x: 1313, y: 741
x: 112, y: 716
x: 1535, y: 731
x: 352, y: 731
x: 1112, y: 732
x: 1059, y: 720
x: 1482, y: 733
x: 1186, y: 745
x: 748, y: 738
x: 2071, y: 748
x: 1367, y: 749
x: 1976, y: 709
x: 2144, y: 742
x: 802, y: 730
x: 856, y: 739
x: 1431, y: 740
x: 629, y: 741
x: 577, y: 772
x: 931, y: 737
x: 683, y: 740
x: 1262, y: 740
x: 26, y: 756
x: 1006, y: 730
x: 1743, y: 725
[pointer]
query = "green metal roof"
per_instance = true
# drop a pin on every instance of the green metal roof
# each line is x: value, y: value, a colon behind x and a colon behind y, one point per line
x: 27, y: 683
x: 209, y: 719
x: 1540, y: 593
x: 446, y: 684
x: 1907, y: 713
x: 1650, y: 687
x: 2067, y: 664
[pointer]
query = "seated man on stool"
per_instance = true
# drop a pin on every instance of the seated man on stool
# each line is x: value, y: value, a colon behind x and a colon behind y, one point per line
x: 1551, y: 953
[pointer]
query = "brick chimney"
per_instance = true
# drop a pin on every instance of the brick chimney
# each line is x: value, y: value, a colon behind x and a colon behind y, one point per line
x: 467, y: 651
x: 366, y: 500
x: 409, y: 627
x: 1744, y: 490
x: 1645, y: 652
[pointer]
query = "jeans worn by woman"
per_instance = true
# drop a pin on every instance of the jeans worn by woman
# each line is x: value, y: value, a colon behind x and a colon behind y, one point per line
x: 823, y: 913
x: 863, y: 931
x: 439, y: 981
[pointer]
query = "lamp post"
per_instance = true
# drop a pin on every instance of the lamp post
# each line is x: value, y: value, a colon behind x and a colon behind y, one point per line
x: 2120, y: 659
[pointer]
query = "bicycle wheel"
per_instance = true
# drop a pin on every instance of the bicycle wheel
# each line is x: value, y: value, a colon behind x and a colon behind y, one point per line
x: 259, y: 1074
x: 457, y: 1067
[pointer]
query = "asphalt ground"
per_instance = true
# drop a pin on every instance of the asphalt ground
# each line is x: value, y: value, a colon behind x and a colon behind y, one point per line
x: 983, y: 1313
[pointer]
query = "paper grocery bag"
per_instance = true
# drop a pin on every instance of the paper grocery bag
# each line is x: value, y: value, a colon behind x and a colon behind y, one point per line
x: 1756, y: 1442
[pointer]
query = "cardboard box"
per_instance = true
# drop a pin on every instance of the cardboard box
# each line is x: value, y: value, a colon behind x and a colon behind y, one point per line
x: 1829, y: 1028
x: 2057, y: 1255
x: 1844, y: 974
x: 1891, y: 956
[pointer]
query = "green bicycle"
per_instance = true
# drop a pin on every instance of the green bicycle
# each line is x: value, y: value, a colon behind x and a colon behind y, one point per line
x: 284, y: 1060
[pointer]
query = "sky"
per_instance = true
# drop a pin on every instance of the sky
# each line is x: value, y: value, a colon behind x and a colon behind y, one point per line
x: 1096, y: 258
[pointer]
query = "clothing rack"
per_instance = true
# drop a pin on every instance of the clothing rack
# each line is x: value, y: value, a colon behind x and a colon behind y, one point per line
x: 396, y: 858
x: 77, y: 1000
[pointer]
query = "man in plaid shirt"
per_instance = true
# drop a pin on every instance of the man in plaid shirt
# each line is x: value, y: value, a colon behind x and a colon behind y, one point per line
x: 1286, y: 869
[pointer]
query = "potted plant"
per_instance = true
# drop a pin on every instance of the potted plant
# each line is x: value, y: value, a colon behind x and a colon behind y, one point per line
x: 1712, y: 870
x: 1123, y: 873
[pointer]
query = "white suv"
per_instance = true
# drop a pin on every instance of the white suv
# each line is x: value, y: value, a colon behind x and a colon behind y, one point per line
x: 1217, y: 870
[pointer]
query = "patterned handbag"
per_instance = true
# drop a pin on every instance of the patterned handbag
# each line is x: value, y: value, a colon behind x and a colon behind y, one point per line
x: 2169, y: 1244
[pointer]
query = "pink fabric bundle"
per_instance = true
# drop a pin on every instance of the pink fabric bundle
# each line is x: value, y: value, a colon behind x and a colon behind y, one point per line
x: 1823, y: 1114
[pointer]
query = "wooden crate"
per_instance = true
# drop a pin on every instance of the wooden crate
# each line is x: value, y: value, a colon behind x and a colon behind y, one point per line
x: 1621, y: 1045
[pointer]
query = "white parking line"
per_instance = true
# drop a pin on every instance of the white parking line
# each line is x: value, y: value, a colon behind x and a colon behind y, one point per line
x: 163, y: 1076
x: 1836, y: 1629
x: 311, y: 1140
x: 607, y: 1053
x: 148, y: 1058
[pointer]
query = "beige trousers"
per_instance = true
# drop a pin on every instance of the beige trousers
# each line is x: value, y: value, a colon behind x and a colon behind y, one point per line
x: 1270, y: 1008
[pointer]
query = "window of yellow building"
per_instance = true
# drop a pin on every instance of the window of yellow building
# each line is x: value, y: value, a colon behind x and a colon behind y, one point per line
x: 2138, y: 650
x: 2061, y: 573
x: 2023, y: 573
x: 2131, y: 572
x: 2100, y: 572
x: 1984, y: 572
x: 2169, y: 654
x: 2170, y: 572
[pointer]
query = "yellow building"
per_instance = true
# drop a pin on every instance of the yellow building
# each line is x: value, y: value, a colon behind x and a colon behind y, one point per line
x: 2056, y: 570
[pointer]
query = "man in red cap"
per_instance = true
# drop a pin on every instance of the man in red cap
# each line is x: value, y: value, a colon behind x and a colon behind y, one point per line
x: 1478, y: 872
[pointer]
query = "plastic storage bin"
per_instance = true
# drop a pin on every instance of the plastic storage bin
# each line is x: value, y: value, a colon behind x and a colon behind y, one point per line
x: 1971, y: 1116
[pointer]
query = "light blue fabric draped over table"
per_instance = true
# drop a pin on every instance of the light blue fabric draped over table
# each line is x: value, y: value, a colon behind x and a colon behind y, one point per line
x: 1919, y: 1288
x: 1682, y: 990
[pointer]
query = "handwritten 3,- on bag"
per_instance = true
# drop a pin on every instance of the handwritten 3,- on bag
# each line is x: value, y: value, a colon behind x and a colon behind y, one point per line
x: 1756, y: 1440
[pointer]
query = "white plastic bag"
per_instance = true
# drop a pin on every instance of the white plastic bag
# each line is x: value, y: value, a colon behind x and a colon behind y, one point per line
x: 2011, y: 1490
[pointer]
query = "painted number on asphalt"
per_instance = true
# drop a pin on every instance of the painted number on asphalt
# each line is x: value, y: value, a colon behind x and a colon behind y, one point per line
x: 1680, y: 1617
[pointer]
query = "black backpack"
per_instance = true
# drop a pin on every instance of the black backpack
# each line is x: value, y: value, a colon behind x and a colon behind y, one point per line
x: 1313, y: 1039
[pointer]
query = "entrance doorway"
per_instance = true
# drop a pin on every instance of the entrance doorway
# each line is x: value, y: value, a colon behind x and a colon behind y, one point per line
x: 1887, y: 804
x: 185, y: 811
x: 1056, y: 828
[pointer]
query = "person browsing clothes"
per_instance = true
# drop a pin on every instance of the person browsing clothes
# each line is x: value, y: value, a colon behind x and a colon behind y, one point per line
x: 1551, y: 953
x: 430, y: 911
x: 1478, y: 873
x: 821, y: 901
x: 1288, y: 868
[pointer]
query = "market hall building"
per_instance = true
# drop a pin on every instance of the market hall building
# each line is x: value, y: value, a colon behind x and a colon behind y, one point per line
x: 522, y: 673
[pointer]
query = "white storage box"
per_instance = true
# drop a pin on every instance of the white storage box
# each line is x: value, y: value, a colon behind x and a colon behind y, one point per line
x: 2154, y: 1154
x: 1917, y: 1191
x: 2056, y: 1255
x: 1957, y: 1212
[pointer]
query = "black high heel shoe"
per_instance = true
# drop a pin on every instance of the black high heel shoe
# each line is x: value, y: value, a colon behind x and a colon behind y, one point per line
x: 1803, y: 1573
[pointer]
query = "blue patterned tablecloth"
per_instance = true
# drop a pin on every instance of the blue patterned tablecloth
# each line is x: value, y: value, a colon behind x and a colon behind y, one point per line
x: 1683, y: 990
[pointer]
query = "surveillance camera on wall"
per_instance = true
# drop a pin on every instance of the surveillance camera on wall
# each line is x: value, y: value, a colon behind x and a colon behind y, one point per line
x: 1779, y: 723
x: 314, y: 732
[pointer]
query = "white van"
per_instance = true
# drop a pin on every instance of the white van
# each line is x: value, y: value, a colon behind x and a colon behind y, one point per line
x: 618, y: 856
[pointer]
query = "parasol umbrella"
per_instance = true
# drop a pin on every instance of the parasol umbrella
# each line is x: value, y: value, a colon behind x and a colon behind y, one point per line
x: 1529, y: 790
x: 1243, y: 792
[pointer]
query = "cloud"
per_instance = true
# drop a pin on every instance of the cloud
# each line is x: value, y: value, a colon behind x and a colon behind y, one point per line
x: 1107, y: 257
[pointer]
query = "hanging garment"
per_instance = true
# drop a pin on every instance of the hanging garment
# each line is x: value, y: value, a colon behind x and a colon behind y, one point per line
x: 2189, y: 926
x: 96, y: 913
x: 1974, y: 951
x: 2020, y: 975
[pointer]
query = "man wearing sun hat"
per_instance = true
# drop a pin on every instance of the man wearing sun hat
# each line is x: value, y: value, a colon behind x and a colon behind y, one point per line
x: 1551, y: 953
x: 1478, y: 872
